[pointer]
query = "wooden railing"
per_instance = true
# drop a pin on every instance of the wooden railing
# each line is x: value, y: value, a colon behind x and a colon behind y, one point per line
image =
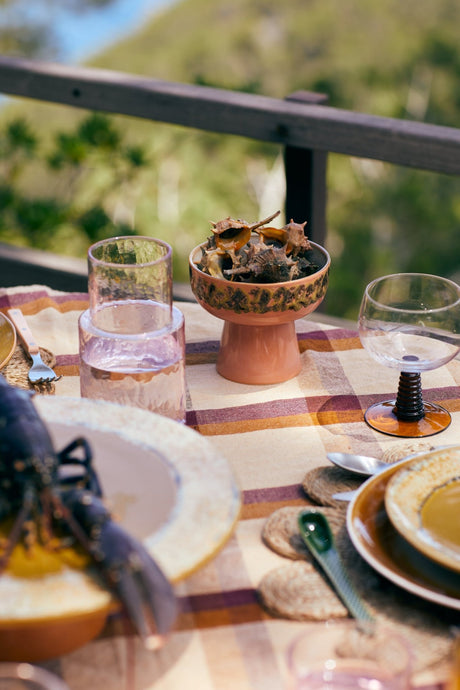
x: 302, y: 123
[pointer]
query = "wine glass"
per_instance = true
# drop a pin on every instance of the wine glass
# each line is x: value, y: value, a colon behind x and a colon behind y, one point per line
x: 411, y: 322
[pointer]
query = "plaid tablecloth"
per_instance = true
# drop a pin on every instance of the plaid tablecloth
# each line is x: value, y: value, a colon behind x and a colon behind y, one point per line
x: 271, y: 435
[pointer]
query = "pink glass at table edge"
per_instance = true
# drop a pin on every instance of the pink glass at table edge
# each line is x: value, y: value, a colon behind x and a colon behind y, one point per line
x: 336, y: 655
x: 29, y: 676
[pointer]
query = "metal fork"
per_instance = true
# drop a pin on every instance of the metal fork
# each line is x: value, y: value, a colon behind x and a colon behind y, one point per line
x: 39, y: 372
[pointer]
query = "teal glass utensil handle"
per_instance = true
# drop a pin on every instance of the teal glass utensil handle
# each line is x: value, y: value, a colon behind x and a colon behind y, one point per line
x: 317, y: 536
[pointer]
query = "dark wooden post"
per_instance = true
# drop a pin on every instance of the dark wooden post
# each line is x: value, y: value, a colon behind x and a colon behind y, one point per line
x: 305, y: 171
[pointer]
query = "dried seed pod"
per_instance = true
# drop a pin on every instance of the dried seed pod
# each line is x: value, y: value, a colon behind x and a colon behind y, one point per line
x: 251, y: 253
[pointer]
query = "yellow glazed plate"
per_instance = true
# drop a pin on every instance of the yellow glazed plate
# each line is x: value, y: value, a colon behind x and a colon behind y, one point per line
x: 384, y: 549
x: 422, y: 501
x: 7, y: 340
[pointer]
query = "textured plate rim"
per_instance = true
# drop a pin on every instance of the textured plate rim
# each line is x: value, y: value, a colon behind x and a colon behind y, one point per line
x: 210, y: 501
x: 424, y: 592
x: 402, y: 517
x: 11, y: 328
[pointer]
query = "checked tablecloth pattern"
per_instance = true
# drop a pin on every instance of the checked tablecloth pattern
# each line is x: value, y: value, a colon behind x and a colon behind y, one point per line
x: 271, y: 436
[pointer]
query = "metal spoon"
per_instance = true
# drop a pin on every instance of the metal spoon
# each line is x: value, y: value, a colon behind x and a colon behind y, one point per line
x: 363, y: 465
x: 317, y: 536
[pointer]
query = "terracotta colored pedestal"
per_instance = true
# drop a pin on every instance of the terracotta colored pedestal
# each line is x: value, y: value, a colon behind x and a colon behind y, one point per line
x: 259, y: 342
x: 258, y: 354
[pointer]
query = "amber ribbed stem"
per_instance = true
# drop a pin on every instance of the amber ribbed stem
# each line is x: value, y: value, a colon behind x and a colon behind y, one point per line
x: 409, y: 403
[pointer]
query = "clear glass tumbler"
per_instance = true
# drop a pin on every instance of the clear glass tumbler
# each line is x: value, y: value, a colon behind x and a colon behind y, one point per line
x: 130, y: 284
x: 132, y: 339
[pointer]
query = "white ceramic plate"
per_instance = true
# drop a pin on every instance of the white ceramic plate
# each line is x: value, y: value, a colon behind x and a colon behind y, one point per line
x: 422, y: 501
x: 164, y: 483
x: 200, y: 513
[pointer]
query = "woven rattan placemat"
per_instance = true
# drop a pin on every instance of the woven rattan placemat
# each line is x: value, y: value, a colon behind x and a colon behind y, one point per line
x: 17, y: 370
x: 299, y: 590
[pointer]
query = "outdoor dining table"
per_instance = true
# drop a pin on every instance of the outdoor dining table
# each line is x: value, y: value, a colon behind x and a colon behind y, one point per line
x: 271, y: 435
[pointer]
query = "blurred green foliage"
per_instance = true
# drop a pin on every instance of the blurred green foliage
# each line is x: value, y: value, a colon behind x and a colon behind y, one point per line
x: 37, y: 220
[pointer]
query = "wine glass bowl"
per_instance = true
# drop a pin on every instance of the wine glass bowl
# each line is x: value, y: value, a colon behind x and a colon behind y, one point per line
x: 410, y: 322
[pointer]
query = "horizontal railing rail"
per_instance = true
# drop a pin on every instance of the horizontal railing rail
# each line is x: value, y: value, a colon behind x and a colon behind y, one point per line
x: 303, y: 124
x: 286, y: 122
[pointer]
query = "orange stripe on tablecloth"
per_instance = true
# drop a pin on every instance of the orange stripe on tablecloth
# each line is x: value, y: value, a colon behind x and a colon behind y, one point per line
x: 452, y: 405
x: 32, y: 308
x: 340, y: 344
x: 318, y: 410
x: 194, y: 358
x: 205, y: 352
x: 190, y: 620
x: 200, y: 358
x: 281, y: 422
x: 208, y: 610
x: 262, y: 502
x: 236, y: 615
x: 252, y: 511
x: 67, y: 370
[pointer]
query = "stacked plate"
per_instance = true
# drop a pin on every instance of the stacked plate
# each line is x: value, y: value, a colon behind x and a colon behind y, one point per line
x: 405, y: 522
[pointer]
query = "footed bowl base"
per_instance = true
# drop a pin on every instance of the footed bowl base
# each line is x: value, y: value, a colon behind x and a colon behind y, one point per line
x: 259, y: 354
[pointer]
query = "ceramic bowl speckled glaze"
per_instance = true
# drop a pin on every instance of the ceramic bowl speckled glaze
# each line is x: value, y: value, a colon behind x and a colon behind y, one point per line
x: 259, y: 344
x: 422, y: 502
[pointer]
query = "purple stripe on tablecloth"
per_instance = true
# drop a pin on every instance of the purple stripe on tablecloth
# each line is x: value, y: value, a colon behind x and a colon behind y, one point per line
x: 273, y: 493
x: 190, y: 418
x: 448, y: 393
x: 334, y: 334
x: 429, y: 394
x: 70, y: 297
x: 205, y: 346
x: 219, y: 600
x: 330, y: 334
x: 277, y: 408
x: 25, y: 297
x: 9, y: 301
x: 66, y: 360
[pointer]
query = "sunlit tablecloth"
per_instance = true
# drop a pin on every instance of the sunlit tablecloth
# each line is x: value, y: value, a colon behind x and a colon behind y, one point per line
x: 271, y: 435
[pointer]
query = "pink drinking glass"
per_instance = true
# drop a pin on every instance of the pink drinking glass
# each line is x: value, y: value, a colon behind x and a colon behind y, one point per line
x: 337, y: 655
x: 22, y: 676
x: 132, y: 338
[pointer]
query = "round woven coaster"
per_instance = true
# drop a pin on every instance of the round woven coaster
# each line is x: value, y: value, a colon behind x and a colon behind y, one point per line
x: 297, y: 591
x: 322, y: 482
x: 281, y: 532
x: 17, y: 370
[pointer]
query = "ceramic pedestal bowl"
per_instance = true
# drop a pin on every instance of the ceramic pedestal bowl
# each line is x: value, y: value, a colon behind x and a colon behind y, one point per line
x: 259, y: 343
